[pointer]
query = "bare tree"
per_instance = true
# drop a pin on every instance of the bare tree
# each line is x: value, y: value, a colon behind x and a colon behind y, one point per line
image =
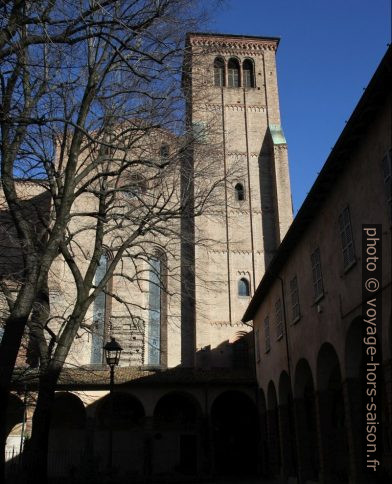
x: 87, y: 91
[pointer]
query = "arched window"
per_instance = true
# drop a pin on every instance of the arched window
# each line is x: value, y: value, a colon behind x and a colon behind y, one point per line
x: 233, y: 73
x: 99, y: 314
x: 243, y: 287
x: 164, y: 151
x: 239, y: 192
x: 247, y: 73
x: 219, y: 72
x: 134, y: 186
x: 156, y: 332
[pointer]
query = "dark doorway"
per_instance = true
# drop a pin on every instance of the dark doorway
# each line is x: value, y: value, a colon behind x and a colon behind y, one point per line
x: 236, y: 434
x: 188, y: 454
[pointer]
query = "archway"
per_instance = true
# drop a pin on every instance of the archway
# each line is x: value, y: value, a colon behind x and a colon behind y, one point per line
x: 66, y: 435
x: 126, y: 424
x: 287, y: 426
x: 274, y: 454
x: 236, y: 434
x: 177, y: 420
x: 334, y: 446
x: 306, y: 422
x: 15, y: 418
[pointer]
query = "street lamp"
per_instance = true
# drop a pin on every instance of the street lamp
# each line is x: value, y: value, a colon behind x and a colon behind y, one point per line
x: 112, y: 355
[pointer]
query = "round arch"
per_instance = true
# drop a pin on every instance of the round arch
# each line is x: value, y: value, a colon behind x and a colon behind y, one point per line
x: 328, y: 367
x: 303, y: 380
x: 353, y: 349
x: 68, y: 411
x: 305, y: 414
x: 285, y: 392
x: 177, y: 409
x: 272, y: 401
x: 332, y: 418
x: 128, y: 412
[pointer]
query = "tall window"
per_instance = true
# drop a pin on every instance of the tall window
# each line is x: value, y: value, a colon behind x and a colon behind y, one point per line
x: 347, y: 238
x: 219, y: 72
x: 156, y: 303
x: 243, y: 287
x: 239, y: 192
x: 279, y: 318
x: 267, y: 339
x: 317, y: 274
x: 99, y: 314
x: 295, y: 308
x: 233, y: 73
x: 247, y: 72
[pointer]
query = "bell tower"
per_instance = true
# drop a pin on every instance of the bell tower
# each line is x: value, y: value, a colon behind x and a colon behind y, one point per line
x: 233, y: 113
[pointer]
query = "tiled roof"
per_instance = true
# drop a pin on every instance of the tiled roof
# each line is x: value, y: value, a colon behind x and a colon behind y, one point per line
x: 99, y: 377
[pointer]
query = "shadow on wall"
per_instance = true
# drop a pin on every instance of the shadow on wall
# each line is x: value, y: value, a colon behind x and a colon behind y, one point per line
x: 238, y: 353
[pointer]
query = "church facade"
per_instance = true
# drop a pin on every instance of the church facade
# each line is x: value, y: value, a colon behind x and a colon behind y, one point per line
x: 187, y: 357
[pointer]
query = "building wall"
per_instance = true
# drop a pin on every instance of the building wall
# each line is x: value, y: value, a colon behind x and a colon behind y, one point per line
x: 237, y: 121
x: 328, y: 333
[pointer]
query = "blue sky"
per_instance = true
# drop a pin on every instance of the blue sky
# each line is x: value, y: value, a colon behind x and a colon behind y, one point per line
x: 328, y: 52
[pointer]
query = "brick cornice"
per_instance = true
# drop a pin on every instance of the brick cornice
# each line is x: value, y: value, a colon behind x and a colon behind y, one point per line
x: 233, y: 45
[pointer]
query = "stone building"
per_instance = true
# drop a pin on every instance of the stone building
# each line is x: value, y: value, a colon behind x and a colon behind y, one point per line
x: 185, y: 369
x: 321, y: 387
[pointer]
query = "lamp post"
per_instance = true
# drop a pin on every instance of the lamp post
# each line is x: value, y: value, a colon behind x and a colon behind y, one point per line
x: 112, y: 355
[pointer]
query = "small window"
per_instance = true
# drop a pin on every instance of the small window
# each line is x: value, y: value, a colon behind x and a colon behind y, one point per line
x: 267, y: 339
x: 347, y: 238
x: 317, y: 274
x: 164, y: 151
x: 239, y: 192
x: 233, y: 73
x: 295, y: 308
x: 279, y: 319
x: 247, y: 72
x: 219, y: 72
x: 243, y: 287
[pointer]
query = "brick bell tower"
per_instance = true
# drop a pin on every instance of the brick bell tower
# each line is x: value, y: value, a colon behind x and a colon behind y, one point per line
x: 233, y: 113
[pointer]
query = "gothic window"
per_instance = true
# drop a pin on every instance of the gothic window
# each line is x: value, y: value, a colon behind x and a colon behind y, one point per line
x: 239, y: 192
x: 243, y: 287
x: 347, y: 238
x: 247, y: 72
x: 219, y: 72
x: 157, y: 309
x: 234, y: 73
x: 99, y: 314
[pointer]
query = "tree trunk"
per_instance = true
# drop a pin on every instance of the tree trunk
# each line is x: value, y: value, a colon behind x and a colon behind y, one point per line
x: 36, y: 453
x: 9, y: 349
